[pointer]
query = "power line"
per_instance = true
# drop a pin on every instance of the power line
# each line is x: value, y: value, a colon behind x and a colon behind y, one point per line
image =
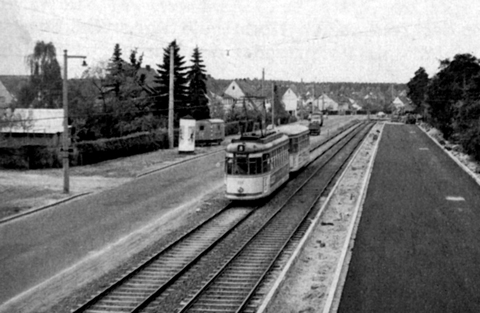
x: 229, y: 49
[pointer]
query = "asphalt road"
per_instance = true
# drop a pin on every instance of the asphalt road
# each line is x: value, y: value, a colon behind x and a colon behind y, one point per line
x: 38, y: 246
x: 417, y: 246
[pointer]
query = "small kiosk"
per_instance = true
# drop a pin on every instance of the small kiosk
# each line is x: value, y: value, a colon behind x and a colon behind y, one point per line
x: 186, y: 138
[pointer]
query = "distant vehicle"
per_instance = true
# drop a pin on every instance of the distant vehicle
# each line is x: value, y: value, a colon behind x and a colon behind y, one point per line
x: 316, y: 122
x: 209, y: 131
x: 381, y: 114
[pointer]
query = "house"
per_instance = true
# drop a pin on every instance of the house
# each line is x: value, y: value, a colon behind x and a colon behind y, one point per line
x: 290, y: 100
x: 325, y: 103
x: 354, y: 106
x: 343, y: 104
x: 401, y: 104
x: 32, y: 126
x: 243, y: 94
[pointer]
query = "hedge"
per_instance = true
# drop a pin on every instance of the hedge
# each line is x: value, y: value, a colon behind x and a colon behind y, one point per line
x: 232, y: 128
x: 86, y: 152
x: 30, y: 157
x: 90, y: 152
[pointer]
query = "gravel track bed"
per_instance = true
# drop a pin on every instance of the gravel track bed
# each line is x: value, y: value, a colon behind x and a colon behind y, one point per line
x: 309, y: 281
x: 169, y: 302
x: 113, y: 173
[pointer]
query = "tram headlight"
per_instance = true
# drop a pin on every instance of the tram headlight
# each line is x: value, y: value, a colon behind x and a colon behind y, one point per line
x: 241, y: 148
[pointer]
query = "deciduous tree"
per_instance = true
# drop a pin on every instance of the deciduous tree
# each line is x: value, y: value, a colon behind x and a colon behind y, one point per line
x: 45, y: 84
x: 417, y: 87
x: 456, y: 81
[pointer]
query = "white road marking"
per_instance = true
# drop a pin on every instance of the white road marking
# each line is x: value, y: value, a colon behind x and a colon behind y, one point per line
x: 424, y: 149
x: 453, y: 198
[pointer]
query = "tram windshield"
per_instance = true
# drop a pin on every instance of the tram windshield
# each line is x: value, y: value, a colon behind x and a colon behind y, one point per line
x: 244, y: 165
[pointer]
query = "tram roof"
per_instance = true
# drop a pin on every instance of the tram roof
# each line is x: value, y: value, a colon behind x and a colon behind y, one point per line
x: 257, y: 143
x: 293, y: 129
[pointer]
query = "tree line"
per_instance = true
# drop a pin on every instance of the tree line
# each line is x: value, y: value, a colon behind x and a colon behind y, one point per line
x: 450, y: 100
x: 113, y: 99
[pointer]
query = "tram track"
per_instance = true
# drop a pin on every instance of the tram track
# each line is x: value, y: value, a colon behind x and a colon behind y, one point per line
x: 131, y: 292
x: 236, y: 283
x: 148, y: 287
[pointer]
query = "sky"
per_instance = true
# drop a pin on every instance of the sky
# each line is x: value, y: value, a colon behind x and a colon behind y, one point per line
x: 299, y: 40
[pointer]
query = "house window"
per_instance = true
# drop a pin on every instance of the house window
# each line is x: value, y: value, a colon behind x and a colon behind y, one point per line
x: 202, y: 127
x: 233, y: 87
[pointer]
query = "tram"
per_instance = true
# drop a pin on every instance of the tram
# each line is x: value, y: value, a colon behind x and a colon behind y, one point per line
x: 299, y: 145
x: 256, y: 164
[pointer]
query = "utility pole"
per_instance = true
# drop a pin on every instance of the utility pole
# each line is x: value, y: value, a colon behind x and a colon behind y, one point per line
x: 263, y: 95
x: 170, y: 100
x: 323, y: 102
x: 273, y: 104
x: 66, y: 137
x: 314, y: 95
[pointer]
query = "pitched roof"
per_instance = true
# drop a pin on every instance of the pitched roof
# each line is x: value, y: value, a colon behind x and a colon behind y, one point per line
x: 249, y: 88
x: 5, y: 96
x: 13, y: 83
x: 405, y: 103
x: 217, y: 86
x: 281, y: 90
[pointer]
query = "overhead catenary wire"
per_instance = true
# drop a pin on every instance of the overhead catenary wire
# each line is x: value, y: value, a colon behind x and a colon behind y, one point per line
x: 226, y: 50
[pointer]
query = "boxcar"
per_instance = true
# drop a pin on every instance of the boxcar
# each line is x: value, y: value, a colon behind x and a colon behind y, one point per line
x: 209, y: 131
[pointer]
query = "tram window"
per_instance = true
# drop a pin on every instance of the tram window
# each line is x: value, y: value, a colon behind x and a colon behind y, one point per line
x: 255, y: 166
x: 241, y: 166
x: 266, y: 162
x: 295, y: 145
x: 229, y: 165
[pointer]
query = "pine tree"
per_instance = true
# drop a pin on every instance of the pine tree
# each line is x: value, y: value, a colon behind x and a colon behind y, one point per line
x: 115, y: 71
x: 180, y: 90
x: 197, y: 89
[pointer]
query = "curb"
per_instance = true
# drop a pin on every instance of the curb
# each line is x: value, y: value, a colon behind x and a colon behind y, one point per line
x: 263, y: 308
x: 475, y: 177
x: 333, y: 299
x: 178, y: 162
x: 28, y: 212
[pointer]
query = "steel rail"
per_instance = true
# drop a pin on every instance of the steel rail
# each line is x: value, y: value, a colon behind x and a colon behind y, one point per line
x: 146, y: 299
x: 191, y: 302
x: 141, y: 303
x: 302, y: 224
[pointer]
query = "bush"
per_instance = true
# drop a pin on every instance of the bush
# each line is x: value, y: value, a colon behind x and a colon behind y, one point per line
x: 470, y: 141
x: 86, y: 152
x: 232, y: 128
x: 89, y: 152
x: 30, y: 157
